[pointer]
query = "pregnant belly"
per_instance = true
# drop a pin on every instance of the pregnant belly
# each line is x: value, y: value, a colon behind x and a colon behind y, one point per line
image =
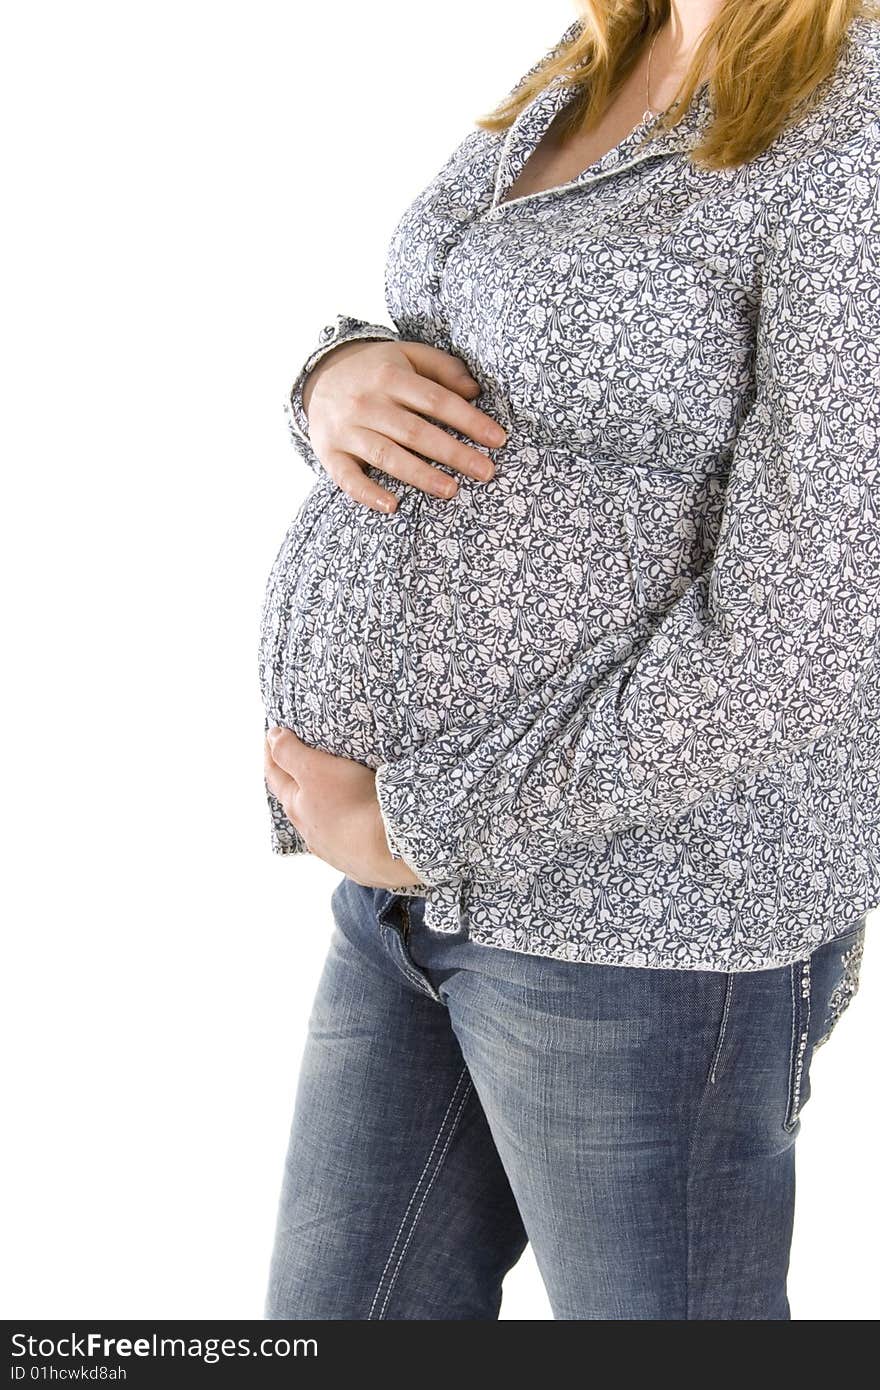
x: 379, y: 631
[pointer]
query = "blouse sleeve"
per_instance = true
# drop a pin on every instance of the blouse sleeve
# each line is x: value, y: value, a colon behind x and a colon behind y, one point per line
x: 771, y: 648
x: 344, y: 329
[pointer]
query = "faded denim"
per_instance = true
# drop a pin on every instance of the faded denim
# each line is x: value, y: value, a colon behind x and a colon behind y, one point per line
x: 636, y: 1126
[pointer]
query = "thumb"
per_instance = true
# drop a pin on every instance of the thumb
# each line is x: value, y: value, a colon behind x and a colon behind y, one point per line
x: 287, y: 750
x: 441, y: 367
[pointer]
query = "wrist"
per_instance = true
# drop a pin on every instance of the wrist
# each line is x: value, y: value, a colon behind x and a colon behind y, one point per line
x: 334, y: 354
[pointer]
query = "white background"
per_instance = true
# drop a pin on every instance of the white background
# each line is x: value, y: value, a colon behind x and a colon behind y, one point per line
x: 192, y: 190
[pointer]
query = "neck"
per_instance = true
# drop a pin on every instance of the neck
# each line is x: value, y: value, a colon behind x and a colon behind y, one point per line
x: 687, y: 21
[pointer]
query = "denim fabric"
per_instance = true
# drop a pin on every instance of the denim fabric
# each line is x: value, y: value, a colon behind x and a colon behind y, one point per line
x: 455, y: 1101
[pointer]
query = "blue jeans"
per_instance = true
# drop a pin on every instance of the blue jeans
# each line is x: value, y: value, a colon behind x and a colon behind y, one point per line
x: 456, y: 1101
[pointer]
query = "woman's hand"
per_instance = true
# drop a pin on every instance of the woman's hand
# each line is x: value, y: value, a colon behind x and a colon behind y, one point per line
x: 374, y: 402
x: 332, y: 803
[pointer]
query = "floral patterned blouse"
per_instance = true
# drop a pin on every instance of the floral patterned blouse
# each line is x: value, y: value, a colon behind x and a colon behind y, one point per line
x: 623, y: 700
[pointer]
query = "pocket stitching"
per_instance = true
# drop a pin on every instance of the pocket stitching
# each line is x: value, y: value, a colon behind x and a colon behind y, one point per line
x: 847, y: 986
x: 722, y: 1032
x: 800, y: 1037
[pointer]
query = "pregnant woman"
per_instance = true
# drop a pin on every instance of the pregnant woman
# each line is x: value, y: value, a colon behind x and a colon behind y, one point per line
x: 570, y: 666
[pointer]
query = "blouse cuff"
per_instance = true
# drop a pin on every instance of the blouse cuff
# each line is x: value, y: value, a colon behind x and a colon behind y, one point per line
x: 393, y: 794
x: 396, y: 846
x: 344, y: 329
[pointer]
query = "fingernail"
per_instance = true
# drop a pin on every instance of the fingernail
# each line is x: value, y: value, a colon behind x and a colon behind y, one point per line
x: 486, y: 473
x: 272, y: 735
x: 386, y: 506
x: 448, y: 490
x: 499, y: 435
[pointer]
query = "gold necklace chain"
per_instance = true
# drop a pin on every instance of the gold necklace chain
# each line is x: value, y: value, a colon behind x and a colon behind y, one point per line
x: 650, y: 110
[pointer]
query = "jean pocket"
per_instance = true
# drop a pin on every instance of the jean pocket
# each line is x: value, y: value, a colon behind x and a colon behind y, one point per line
x: 839, y: 982
x: 822, y: 988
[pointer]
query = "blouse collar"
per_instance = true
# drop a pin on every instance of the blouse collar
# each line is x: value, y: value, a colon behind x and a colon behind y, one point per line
x: 645, y: 140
